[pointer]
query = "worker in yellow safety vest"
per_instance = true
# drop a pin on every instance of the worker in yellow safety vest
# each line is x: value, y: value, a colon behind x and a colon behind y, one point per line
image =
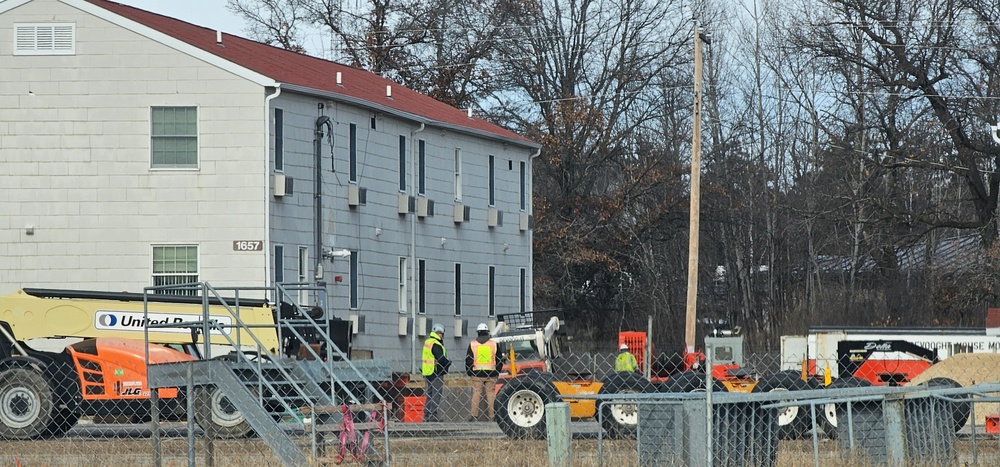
x: 626, y: 361
x: 434, y: 366
x: 482, y: 365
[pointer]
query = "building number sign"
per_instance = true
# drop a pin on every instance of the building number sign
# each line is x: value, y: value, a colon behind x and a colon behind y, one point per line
x: 248, y: 245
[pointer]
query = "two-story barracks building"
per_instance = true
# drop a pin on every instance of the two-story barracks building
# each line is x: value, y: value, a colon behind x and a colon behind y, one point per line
x: 138, y: 150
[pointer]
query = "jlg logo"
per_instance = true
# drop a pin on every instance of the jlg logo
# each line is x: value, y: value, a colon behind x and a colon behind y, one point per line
x: 132, y: 392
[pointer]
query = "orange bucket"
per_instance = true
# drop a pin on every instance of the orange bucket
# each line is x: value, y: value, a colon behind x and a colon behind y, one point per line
x: 413, y: 409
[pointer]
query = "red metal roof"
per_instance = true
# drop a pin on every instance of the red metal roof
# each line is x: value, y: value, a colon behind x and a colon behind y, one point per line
x: 293, y: 68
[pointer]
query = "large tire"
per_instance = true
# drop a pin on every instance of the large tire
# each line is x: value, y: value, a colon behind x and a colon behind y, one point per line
x: 830, y: 411
x: 960, y: 410
x: 217, y: 416
x: 794, y: 421
x: 520, y: 407
x: 62, y: 421
x: 691, y: 381
x: 620, y: 420
x: 26, y: 404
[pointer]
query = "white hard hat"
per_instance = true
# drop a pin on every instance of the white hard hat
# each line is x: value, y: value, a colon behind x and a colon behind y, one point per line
x: 623, y: 347
x: 482, y: 327
x: 438, y: 328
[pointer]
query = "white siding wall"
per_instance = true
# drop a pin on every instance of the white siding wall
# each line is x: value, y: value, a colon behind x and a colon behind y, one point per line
x: 74, y: 154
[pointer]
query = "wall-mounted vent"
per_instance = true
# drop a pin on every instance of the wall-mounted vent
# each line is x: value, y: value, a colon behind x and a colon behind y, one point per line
x: 526, y: 222
x: 422, y: 327
x: 425, y: 207
x: 356, y: 196
x: 461, y: 328
x: 462, y: 213
x: 406, y: 204
x: 404, y: 326
x: 44, y: 38
x: 283, y: 185
x: 494, y: 217
x: 357, y: 324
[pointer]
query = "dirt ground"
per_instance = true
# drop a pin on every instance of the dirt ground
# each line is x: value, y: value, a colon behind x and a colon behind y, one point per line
x: 416, y: 452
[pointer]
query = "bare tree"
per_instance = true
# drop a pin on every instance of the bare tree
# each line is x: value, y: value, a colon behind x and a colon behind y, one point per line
x: 438, y: 47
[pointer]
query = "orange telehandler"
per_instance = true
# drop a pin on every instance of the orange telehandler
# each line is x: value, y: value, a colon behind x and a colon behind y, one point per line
x: 43, y: 393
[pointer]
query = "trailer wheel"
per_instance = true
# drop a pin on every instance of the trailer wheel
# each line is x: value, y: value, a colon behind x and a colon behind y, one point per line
x: 26, y: 404
x: 960, y: 410
x: 217, y: 416
x: 793, y: 421
x: 520, y: 408
x: 620, y: 420
x: 830, y: 410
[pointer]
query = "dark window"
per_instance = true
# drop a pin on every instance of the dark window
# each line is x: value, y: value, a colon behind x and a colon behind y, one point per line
x: 354, y: 280
x: 524, y: 187
x: 279, y: 264
x: 491, y: 182
x: 421, y: 281
x: 402, y: 163
x: 491, y: 285
x: 420, y: 167
x: 353, y: 153
x: 279, y: 139
x: 521, y: 306
x: 458, y: 289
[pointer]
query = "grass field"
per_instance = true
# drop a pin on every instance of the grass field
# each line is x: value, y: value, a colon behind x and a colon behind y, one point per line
x: 416, y: 452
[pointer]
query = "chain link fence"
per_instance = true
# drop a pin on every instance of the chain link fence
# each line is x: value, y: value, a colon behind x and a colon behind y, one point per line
x: 757, y: 413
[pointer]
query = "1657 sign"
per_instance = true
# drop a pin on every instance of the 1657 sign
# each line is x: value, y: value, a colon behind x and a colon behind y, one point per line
x: 248, y: 245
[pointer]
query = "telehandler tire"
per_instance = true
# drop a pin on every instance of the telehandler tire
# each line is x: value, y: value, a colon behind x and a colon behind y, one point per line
x: 26, y: 404
x: 691, y: 381
x: 619, y: 420
x: 520, y: 407
x: 62, y: 421
x: 217, y: 416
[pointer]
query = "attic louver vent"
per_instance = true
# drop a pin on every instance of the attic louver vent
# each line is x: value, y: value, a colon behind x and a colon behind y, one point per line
x: 44, y: 39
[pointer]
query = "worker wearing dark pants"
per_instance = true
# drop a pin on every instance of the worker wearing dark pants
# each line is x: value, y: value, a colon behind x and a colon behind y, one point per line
x: 434, y: 366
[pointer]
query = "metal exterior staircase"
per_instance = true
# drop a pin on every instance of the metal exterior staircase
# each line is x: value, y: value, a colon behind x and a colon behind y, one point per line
x: 275, y: 393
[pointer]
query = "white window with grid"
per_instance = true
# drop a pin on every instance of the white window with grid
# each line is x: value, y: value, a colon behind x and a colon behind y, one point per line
x: 44, y: 39
x: 175, y: 265
x: 173, y: 137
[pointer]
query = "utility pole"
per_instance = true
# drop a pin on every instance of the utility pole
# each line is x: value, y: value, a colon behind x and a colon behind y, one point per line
x: 692, y: 286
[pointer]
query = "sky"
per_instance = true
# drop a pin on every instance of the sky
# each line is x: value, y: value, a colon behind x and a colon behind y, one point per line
x: 208, y: 13
x: 213, y: 14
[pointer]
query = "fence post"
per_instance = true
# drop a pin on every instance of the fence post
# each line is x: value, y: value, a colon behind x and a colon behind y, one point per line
x: 895, y: 434
x: 558, y: 433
